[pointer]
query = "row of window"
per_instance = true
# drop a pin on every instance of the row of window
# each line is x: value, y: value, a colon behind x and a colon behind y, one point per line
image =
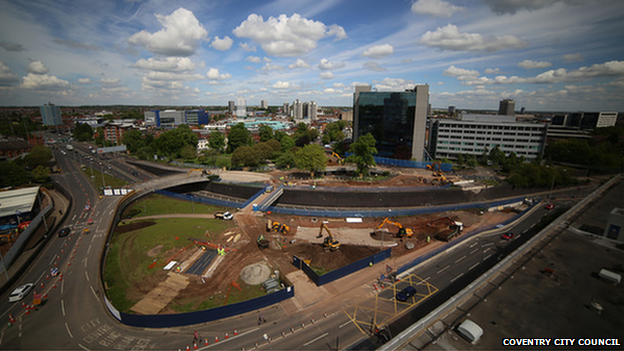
x: 482, y: 132
x: 492, y: 127
x: 477, y: 151
x: 503, y: 146
x: 516, y: 141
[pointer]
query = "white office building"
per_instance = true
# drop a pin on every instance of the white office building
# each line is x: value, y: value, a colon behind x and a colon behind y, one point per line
x: 264, y: 104
x: 471, y: 134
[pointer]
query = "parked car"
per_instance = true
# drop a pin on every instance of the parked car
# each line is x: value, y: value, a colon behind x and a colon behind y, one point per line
x: 549, y: 206
x: 406, y: 293
x: 20, y: 292
x: 508, y: 236
x: 224, y: 215
x: 64, y: 232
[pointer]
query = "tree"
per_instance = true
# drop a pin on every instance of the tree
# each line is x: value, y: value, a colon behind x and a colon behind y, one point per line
x: 287, y: 143
x: 11, y: 174
x: 99, y: 138
x: 238, y: 136
x: 171, y: 142
x: 264, y: 150
x: 216, y: 140
x: 279, y: 134
x: 39, y: 156
x: 245, y: 156
x: 145, y: 153
x: 266, y: 132
x: 286, y: 160
x: 83, y: 132
x: 363, y: 150
x: 134, y: 140
x: 40, y: 174
x: 188, y: 152
x: 311, y: 158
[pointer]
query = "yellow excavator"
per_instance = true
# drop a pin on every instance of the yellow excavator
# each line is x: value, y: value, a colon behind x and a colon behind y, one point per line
x: 403, y: 232
x: 278, y: 227
x: 339, y: 159
x: 329, y: 244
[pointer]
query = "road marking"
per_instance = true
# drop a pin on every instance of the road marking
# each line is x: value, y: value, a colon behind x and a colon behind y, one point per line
x: 68, y: 331
x: 63, y: 307
x: 62, y: 287
x: 460, y: 274
x: 94, y: 294
x: 87, y: 275
x: 1, y: 337
x: 486, y: 250
x: 344, y: 324
x: 473, y: 266
x: 315, y: 339
x: 52, y: 260
x: 443, y: 269
x: 461, y: 258
x: 84, y: 348
x: 474, y: 244
x: 473, y: 251
x: 85, y: 260
x: 74, y: 218
x: 488, y: 244
x: 486, y: 257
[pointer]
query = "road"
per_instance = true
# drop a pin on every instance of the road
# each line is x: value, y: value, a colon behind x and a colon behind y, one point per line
x: 74, y: 315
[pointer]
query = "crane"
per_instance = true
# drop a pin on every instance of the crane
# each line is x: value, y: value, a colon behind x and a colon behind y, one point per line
x: 403, y: 232
x: 329, y: 244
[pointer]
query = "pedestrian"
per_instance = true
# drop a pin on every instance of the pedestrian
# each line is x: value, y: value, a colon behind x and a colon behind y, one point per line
x: 263, y: 320
x: 259, y: 320
x: 196, y: 336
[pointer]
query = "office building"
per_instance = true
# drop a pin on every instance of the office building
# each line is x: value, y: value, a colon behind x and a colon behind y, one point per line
x: 585, y: 120
x: 152, y: 118
x: 51, y: 115
x: 196, y: 117
x: 397, y: 120
x: 474, y: 134
x: 232, y: 106
x: 171, y: 118
x: 264, y: 104
x: 507, y: 107
x: 241, y: 107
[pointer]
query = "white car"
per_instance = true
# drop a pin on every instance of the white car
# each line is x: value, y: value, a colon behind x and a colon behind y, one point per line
x: 20, y: 292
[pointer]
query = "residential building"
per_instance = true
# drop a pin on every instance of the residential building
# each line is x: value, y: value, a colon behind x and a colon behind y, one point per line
x: 309, y: 110
x: 202, y: 144
x: 10, y: 149
x: 232, y: 106
x: 264, y: 104
x: 51, y: 115
x: 241, y: 107
x: 397, y: 120
x: 286, y: 109
x: 297, y: 110
x: 114, y: 132
x: 507, y: 107
x: 474, y: 134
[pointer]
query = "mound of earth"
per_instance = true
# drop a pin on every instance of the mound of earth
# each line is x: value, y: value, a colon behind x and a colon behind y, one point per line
x: 255, y: 274
x: 331, y: 260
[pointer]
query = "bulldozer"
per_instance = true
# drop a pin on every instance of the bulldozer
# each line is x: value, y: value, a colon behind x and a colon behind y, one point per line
x: 329, y: 244
x: 402, y: 233
x: 277, y: 227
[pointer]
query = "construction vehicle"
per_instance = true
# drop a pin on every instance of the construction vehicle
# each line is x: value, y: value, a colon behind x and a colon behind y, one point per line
x: 262, y: 242
x: 6, y: 238
x: 403, y: 232
x: 454, y: 229
x: 329, y: 244
x: 339, y: 159
x: 224, y: 215
x: 277, y: 227
x: 203, y: 172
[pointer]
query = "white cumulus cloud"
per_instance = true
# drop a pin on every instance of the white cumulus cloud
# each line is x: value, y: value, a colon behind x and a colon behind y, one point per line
x: 222, y: 44
x: 453, y: 71
x: 44, y: 82
x: 166, y: 64
x: 179, y: 36
x: 450, y: 38
x: 247, y: 47
x: 572, y: 57
x: 254, y: 59
x: 214, y: 74
x: 325, y: 64
x: 393, y: 84
x: 326, y: 75
x: 299, y: 64
x: 435, y: 8
x: 37, y: 67
x: 6, y: 76
x: 529, y: 64
x: 286, y: 36
x: 379, y: 51
x: 282, y: 85
x: 84, y: 80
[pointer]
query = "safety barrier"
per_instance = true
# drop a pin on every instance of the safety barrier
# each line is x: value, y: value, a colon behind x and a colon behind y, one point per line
x: 257, y: 195
x: 200, y: 199
x: 340, y: 272
x: 445, y: 167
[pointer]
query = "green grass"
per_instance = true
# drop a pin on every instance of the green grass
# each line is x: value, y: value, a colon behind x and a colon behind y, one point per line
x: 127, y: 263
x: 320, y: 270
x: 97, y: 178
x: 159, y: 204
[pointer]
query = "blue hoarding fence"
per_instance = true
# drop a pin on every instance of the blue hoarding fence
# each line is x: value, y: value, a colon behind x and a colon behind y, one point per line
x: 200, y: 199
x: 257, y: 195
x: 343, y: 271
x: 444, y: 167
x: 190, y: 318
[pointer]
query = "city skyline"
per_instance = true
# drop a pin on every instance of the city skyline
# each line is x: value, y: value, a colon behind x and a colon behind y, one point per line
x: 547, y: 55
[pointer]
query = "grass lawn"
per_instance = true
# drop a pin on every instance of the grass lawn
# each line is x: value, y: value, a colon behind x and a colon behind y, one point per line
x: 160, y: 204
x: 247, y: 292
x: 97, y: 178
x: 127, y: 263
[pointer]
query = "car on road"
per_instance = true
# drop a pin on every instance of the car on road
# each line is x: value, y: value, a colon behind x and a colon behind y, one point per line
x: 64, y: 232
x: 549, y: 206
x: 508, y: 236
x: 406, y: 293
x: 20, y: 292
x: 86, y: 231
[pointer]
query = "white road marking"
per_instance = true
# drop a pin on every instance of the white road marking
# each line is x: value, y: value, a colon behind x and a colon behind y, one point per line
x: 63, y: 307
x: 443, y: 269
x: 486, y: 257
x: 85, y: 261
x: 460, y: 274
x: 62, y: 287
x: 473, y: 266
x: 88, y: 250
x: 486, y: 250
x: 94, y: 294
x: 473, y: 251
x: 52, y: 260
x: 474, y: 244
x: 315, y: 339
x: 87, y: 275
x: 344, y: 324
x: 84, y: 348
x: 461, y: 258
x: 488, y: 244
x: 68, y: 331
x: 73, y: 218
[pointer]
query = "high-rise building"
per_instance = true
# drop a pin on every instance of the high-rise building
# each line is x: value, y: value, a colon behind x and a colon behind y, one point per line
x: 51, y: 115
x: 297, y: 110
x: 309, y: 110
x: 397, y: 120
x: 241, y: 107
x: 286, y: 108
x: 232, y: 106
x: 507, y: 107
x: 264, y: 104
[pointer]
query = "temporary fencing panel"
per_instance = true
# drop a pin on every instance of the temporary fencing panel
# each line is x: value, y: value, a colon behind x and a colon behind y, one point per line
x: 445, y: 167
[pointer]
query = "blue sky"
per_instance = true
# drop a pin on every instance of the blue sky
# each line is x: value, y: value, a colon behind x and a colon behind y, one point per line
x: 548, y: 55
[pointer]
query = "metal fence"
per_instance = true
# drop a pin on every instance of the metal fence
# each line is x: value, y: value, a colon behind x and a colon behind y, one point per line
x: 445, y: 167
x: 200, y: 199
x: 343, y: 271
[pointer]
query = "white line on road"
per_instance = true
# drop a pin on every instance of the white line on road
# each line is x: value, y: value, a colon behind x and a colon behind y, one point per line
x: 84, y: 348
x: 63, y: 307
x: 475, y: 243
x: 52, y: 260
x: 74, y: 218
x: 1, y: 337
x: 486, y: 257
x: 486, y: 250
x: 62, y: 287
x: 461, y: 258
x: 473, y: 251
x: 488, y: 244
x: 473, y: 266
x: 89, y: 249
x: 315, y: 339
x: 94, y: 294
x: 68, y: 331
x: 85, y: 261
x: 344, y: 324
x: 443, y: 269
x: 460, y: 274
x: 87, y: 275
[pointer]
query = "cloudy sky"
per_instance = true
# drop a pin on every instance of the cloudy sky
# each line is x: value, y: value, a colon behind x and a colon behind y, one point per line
x: 548, y: 55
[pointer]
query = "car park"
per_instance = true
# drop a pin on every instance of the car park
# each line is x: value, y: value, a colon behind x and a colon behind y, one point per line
x: 20, y: 292
x: 64, y: 232
x: 508, y: 236
x: 549, y: 206
x: 406, y: 293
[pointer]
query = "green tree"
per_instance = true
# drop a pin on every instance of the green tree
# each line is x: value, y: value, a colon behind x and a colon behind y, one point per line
x: 171, y: 142
x: 82, y: 132
x: 311, y: 158
x: 245, y: 156
x: 134, y: 140
x: 287, y: 143
x: 11, y: 174
x: 99, y: 136
x: 145, y: 153
x: 264, y: 150
x: 216, y: 140
x: 40, y: 174
x: 188, y: 152
x: 238, y: 136
x: 279, y: 134
x: 39, y: 156
x: 286, y: 160
x: 496, y: 156
x: 363, y: 150
x: 266, y: 132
